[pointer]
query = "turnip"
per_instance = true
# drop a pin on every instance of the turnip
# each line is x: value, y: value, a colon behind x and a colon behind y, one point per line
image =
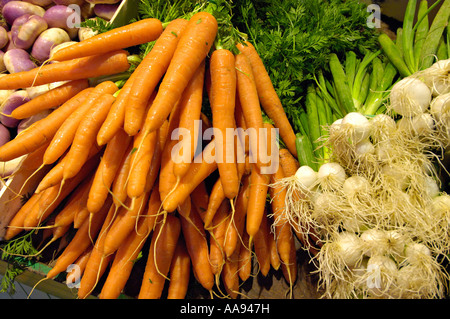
x: 14, y: 9
x: 41, y: 3
x: 105, y: 11
x: 58, y: 16
x: 5, y: 134
x: 16, y: 99
x: 103, y: 1
x: 18, y: 60
x: 86, y: 33
x: 8, y: 168
x: 46, y: 41
x: 409, y: 97
x: 87, y: 10
x: 3, y: 37
x: 37, y: 90
x: 26, y: 29
x: 60, y: 46
x: 68, y: 2
x: 10, y: 45
x: 26, y: 123
x: 2, y: 62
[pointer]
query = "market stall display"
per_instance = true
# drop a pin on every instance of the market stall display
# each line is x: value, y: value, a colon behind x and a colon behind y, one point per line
x: 157, y: 160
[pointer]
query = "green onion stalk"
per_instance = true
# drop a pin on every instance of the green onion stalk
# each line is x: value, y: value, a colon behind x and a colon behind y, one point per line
x: 418, y: 45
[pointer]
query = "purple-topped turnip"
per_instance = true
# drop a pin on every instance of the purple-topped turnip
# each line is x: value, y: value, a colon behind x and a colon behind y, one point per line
x: 105, y: 11
x: 13, y: 101
x: 14, y: 9
x: 26, y: 29
x: 5, y: 135
x: 69, y: 2
x: 18, y: 60
x: 2, y: 63
x: 26, y: 123
x: 64, y: 17
x: 3, y: 37
x: 41, y: 3
x: 103, y: 1
x: 46, y: 41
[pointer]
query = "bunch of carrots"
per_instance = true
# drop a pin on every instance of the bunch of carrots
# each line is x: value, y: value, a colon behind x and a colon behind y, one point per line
x: 113, y: 177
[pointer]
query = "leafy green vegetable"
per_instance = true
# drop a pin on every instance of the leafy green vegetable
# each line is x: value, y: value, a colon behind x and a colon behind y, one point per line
x: 295, y: 39
x: 15, y: 253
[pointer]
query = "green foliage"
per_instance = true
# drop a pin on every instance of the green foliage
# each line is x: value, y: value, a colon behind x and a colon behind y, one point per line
x: 15, y: 253
x: 295, y: 39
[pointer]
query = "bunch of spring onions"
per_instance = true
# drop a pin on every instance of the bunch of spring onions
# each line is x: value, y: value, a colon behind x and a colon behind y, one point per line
x: 357, y: 84
x: 375, y: 203
x: 419, y: 42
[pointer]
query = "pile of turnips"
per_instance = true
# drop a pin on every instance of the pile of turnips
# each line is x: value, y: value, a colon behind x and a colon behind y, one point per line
x: 31, y: 30
x: 377, y: 204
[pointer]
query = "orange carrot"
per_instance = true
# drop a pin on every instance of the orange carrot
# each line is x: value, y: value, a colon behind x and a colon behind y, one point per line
x: 114, y: 119
x: 190, y: 109
x: 162, y: 248
x: 149, y: 72
x: 217, y: 238
x: 64, y: 135
x: 16, y: 224
x: 97, y: 262
x: 55, y: 175
x: 204, y: 164
x: 216, y: 198
x: 129, y: 35
x: 54, y: 195
x: 124, y: 260
x: 259, y: 186
x: 81, y: 262
x: 237, y: 222
x: 197, y: 246
x: 230, y: 275
x: 80, y: 242
x: 193, y: 46
x: 51, y: 99
x: 179, y: 272
x: 93, y: 66
x: 262, y: 246
x: 200, y: 199
x: 124, y: 224
x: 155, y: 164
x: 85, y: 136
x: 141, y: 161
x: 268, y: 97
x: 81, y: 211
x: 251, y: 109
x: 67, y: 214
x: 218, y: 195
x: 107, y: 169
x: 245, y: 257
x: 222, y: 100
x: 167, y: 178
x: 41, y: 131
x: 119, y: 189
x: 283, y: 232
